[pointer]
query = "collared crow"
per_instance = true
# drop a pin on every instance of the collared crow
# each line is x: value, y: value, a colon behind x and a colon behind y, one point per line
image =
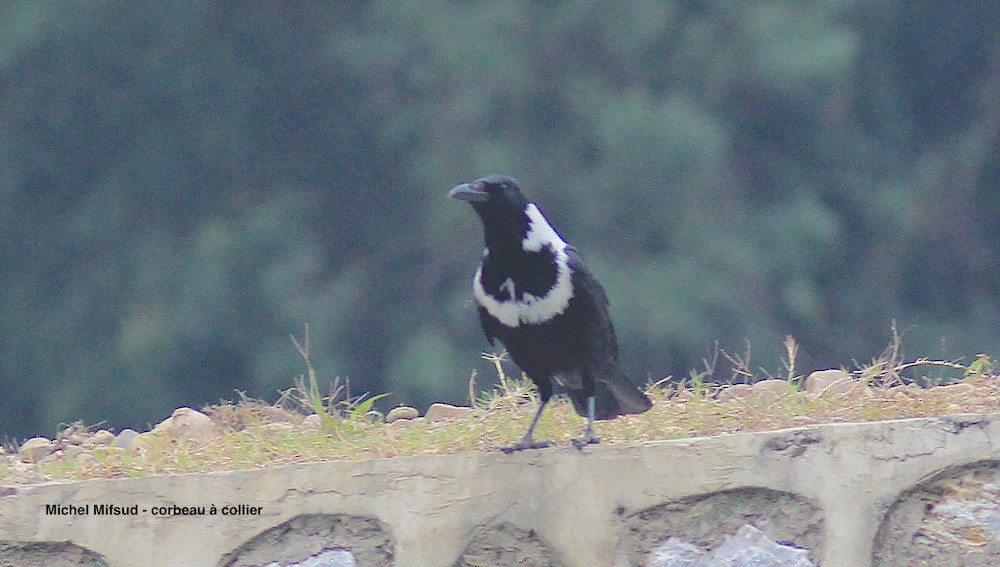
x: 536, y: 295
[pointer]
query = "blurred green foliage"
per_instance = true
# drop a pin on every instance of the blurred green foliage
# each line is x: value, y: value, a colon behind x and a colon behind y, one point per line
x: 183, y: 185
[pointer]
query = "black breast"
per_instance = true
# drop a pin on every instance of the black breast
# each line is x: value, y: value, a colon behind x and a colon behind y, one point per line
x: 530, y: 272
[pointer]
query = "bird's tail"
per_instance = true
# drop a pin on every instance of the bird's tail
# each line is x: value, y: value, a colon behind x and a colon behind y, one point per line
x: 614, y: 395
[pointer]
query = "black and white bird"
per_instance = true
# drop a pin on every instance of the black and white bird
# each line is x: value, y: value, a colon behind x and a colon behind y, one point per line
x: 540, y: 300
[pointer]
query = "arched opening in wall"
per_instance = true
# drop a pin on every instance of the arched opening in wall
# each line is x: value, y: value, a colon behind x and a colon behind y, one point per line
x: 47, y: 554
x: 727, y: 528
x: 506, y: 545
x: 336, y: 539
x: 953, y: 518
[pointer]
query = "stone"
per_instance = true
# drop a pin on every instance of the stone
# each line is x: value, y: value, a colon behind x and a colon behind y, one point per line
x: 327, y: 558
x: 403, y: 423
x: 124, y: 439
x: 35, y: 449
x: 188, y: 424
x: 78, y: 438
x: 401, y: 412
x: 733, y: 392
x: 773, y: 385
x: 832, y: 381
x: 314, y: 421
x: 751, y: 547
x: 748, y: 547
x: 103, y: 437
x: 442, y: 412
x: 675, y: 553
x: 770, y: 391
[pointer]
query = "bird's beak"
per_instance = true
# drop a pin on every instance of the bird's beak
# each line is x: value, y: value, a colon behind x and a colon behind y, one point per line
x: 471, y: 192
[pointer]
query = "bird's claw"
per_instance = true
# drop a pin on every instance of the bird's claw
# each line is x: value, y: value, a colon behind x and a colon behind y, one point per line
x: 525, y: 445
x: 588, y: 439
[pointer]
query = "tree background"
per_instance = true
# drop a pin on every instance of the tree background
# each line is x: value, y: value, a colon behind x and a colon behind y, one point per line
x: 184, y: 185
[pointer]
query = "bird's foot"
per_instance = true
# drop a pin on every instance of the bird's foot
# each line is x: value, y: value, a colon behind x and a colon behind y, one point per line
x: 589, y: 438
x: 525, y: 444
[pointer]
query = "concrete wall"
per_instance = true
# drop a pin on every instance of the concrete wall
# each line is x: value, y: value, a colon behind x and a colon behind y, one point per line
x: 830, y: 489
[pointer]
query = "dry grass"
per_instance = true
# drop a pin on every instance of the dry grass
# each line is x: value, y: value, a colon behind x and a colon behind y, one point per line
x: 256, y: 434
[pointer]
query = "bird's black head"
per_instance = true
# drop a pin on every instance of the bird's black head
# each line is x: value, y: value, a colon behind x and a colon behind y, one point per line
x: 492, y: 195
x: 501, y: 206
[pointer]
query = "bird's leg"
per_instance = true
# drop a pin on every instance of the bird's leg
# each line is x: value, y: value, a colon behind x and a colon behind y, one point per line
x: 528, y: 441
x: 589, y: 437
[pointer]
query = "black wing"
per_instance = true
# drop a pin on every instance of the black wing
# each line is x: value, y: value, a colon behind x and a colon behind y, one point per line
x: 615, y: 393
x: 593, y: 306
x: 490, y: 325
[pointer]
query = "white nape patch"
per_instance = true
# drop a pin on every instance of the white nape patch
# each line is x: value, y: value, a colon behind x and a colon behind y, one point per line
x: 540, y: 232
x: 531, y: 309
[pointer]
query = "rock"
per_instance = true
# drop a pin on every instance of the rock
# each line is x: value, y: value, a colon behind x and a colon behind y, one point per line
x: 78, y: 438
x: 773, y: 385
x: 35, y: 449
x: 748, y: 547
x: 184, y: 424
x: 751, y: 546
x: 830, y: 382
x: 103, y: 437
x: 733, y: 392
x: 314, y: 421
x: 676, y: 553
x: 188, y: 424
x: 402, y: 412
x: 441, y: 412
x: 770, y: 391
x: 403, y: 423
x: 326, y: 558
x: 124, y: 439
